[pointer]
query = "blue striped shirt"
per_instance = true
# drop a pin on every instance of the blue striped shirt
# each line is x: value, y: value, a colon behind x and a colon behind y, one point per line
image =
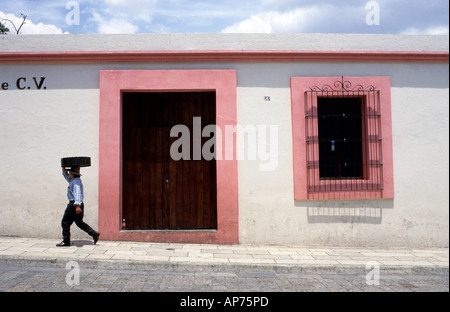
x: 75, y: 190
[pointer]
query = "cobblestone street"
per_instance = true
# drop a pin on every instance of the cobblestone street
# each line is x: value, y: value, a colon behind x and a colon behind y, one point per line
x: 41, y: 277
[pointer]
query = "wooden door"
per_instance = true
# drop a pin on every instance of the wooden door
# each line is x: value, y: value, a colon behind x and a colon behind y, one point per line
x: 159, y: 192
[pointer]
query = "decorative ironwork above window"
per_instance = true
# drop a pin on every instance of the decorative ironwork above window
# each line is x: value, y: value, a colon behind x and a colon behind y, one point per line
x: 342, y: 86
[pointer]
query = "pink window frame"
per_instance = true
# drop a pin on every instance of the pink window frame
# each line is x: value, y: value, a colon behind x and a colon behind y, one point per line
x: 299, y: 85
x: 112, y: 84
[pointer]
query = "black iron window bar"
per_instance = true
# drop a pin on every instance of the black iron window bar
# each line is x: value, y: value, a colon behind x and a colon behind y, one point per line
x: 343, y: 138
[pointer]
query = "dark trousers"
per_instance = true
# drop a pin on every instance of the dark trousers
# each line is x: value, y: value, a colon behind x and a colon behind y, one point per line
x: 71, y: 216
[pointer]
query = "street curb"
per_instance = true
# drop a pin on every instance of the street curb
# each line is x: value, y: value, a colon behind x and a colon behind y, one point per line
x: 219, y: 267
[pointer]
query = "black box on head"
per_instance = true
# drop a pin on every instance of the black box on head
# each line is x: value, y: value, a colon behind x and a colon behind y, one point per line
x: 78, y: 161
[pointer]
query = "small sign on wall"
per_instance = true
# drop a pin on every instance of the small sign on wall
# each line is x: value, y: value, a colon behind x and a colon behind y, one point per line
x: 24, y: 83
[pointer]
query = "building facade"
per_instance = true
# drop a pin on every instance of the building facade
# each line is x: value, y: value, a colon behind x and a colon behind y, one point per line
x: 213, y: 138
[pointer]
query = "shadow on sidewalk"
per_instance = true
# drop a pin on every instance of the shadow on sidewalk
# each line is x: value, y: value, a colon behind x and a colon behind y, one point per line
x: 81, y: 243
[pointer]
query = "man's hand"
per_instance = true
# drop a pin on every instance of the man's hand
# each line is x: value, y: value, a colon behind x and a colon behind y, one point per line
x: 78, y: 210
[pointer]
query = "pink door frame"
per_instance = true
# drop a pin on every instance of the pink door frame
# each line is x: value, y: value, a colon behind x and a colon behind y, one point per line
x: 112, y: 84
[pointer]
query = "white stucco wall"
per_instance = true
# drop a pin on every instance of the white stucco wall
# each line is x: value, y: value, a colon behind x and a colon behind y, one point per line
x: 38, y: 127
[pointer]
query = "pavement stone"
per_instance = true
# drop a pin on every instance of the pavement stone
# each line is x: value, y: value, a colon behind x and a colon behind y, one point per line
x: 290, y: 257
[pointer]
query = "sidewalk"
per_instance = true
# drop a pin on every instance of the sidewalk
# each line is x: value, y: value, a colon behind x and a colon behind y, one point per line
x: 124, y: 255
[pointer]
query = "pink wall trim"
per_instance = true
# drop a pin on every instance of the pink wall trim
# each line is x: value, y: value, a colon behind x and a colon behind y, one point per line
x: 298, y: 87
x: 112, y: 82
x: 9, y: 57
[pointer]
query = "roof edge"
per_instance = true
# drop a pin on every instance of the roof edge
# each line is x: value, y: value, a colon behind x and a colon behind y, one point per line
x: 10, y: 57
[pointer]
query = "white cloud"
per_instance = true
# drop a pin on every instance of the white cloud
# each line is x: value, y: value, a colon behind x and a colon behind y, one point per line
x: 115, y: 2
x: 29, y: 27
x: 312, y: 16
x: 437, y: 30
x: 142, y: 10
x: 254, y: 24
x: 275, y: 22
x: 114, y: 25
x: 123, y: 16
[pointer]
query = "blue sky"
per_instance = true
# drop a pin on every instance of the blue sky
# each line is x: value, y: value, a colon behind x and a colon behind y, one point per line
x: 230, y: 16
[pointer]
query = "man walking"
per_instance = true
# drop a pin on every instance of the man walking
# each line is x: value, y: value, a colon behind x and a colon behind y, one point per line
x: 75, y: 208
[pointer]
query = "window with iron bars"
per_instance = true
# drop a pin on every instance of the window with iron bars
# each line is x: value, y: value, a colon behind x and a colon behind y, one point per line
x: 343, y: 138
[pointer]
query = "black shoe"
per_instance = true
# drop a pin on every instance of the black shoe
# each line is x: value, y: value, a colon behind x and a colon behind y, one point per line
x: 96, y: 235
x: 64, y: 243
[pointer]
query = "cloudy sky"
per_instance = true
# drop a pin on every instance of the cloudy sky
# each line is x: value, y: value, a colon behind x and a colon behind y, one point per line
x: 229, y: 16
